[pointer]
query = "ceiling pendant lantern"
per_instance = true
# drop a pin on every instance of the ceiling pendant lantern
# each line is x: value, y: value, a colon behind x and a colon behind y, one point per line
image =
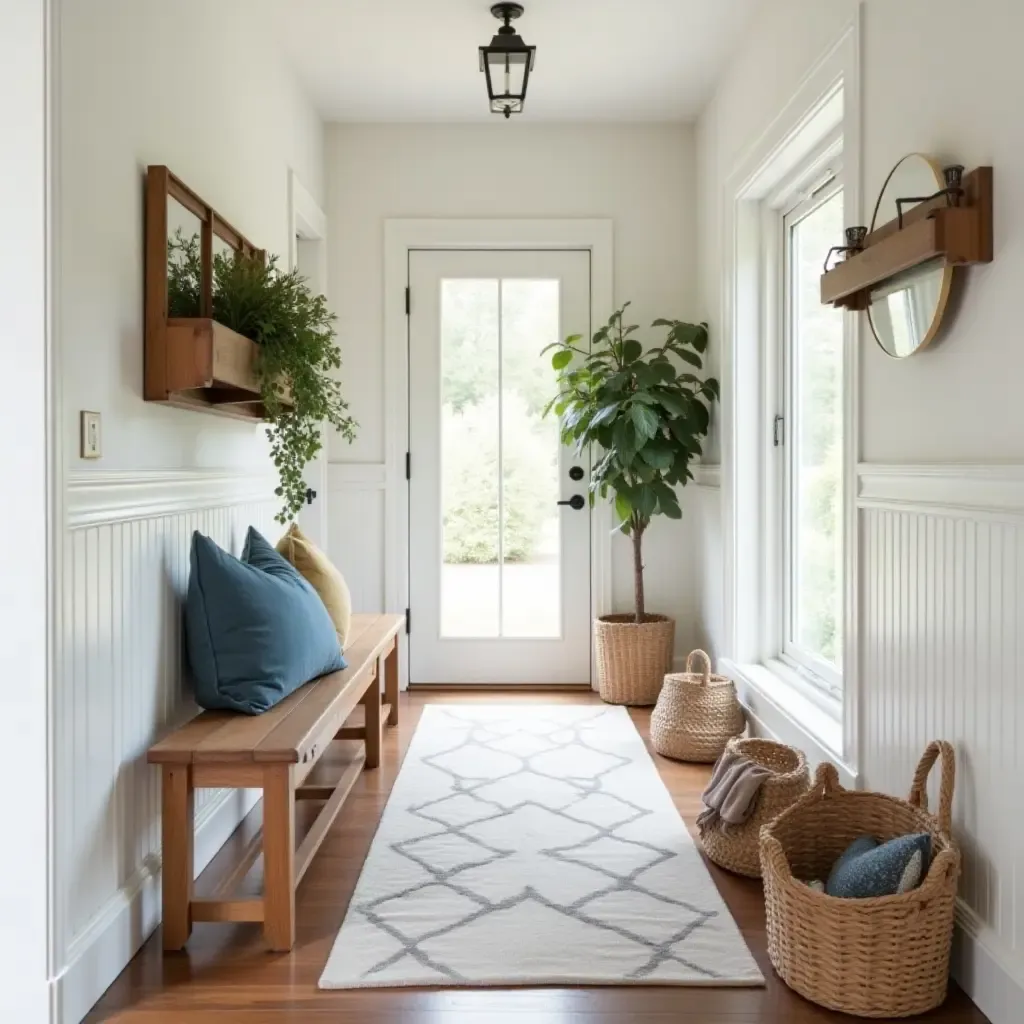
x: 507, y: 63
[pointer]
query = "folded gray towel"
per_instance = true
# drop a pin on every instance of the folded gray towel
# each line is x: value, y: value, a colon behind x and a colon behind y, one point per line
x: 732, y: 792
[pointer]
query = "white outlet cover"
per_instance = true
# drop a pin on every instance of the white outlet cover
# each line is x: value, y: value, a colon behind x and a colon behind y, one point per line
x: 92, y: 440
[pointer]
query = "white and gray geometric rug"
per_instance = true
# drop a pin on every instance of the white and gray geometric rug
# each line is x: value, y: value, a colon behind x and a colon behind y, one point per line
x: 534, y: 845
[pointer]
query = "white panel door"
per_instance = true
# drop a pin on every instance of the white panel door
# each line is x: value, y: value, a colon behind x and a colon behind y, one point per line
x: 499, y: 561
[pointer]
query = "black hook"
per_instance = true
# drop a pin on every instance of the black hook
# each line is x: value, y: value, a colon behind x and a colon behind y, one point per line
x: 953, y: 175
x: 854, y: 243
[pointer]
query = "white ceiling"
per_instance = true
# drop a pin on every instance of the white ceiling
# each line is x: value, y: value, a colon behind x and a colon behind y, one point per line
x: 597, y: 60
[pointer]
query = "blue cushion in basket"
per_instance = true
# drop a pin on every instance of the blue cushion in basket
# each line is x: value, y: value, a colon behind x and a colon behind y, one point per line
x: 256, y: 629
x: 869, y: 868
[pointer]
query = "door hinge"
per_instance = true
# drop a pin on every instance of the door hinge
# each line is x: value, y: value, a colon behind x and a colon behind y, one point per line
x: 408, y: 465
x: 408, y: 300
x: 779, y: 432
x: 408, y: 621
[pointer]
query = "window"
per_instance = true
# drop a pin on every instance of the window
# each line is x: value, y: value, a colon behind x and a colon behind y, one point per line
x: 809, y: 444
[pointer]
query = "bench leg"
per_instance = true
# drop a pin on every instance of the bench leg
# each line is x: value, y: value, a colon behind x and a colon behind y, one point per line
x: 374, y: 726
x: 391, y: 683
x: 279, y: 857
x: 178, y: 840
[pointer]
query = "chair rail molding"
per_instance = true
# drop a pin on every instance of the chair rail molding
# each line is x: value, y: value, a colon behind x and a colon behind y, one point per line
x: 990, y: 489
x: 119, y: 496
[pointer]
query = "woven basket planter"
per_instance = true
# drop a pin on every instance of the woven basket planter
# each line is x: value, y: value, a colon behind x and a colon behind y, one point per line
x: 738, y: 850
x: 881, y: 957
x: 697, y: 714
x: 632, y: 658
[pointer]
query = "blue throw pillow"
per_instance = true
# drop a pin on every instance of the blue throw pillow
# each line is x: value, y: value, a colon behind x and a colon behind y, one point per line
x: 256, y: 629
x: 869, y: 868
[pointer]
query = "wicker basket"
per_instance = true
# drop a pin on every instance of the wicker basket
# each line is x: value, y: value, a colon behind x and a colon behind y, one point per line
x: 738, y: 849
x: 697, y: 714
x: 632, y: 658
x: 881, y: 957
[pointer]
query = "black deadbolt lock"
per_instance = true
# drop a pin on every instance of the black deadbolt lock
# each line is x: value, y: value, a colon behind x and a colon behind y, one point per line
x: 576, y: 473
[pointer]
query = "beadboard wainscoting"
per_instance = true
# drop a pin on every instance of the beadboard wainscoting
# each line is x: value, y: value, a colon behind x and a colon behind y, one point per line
x: 357, y: 492
x: 942, y: 656
x: 121, y: 682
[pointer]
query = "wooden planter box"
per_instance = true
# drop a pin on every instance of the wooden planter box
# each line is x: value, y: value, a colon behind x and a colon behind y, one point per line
x: 194, y: 362
x: 211, y: 368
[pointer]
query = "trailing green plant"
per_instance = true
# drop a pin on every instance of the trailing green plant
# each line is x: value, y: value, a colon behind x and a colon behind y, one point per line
x: 642, y: 413
x: 294, y: 330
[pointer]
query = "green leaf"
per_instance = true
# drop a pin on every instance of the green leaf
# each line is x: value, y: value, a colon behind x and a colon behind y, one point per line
x: 632, y: 351
x: 645, y: 421
x: 677, y: 402
x: 689, y: 357
x: 561, y: 359
x: 623, y: 508
x: 658, y: 458
x: 605, y: 415
x: 624, y: 440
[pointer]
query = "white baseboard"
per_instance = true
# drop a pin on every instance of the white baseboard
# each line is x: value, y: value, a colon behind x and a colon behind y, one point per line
x: 994, y: 982
x: 99, y: 954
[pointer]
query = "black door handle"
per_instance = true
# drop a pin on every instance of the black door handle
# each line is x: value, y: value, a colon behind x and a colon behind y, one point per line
x: 577, y: 501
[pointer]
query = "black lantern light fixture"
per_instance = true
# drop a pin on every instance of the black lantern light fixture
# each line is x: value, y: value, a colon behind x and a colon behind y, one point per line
x: 507, y: 63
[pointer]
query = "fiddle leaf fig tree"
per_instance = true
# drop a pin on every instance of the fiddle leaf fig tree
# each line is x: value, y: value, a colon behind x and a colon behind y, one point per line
x: 643, y: 413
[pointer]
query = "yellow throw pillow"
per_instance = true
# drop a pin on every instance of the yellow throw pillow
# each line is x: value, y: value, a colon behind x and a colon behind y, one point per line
x: 321, y: 573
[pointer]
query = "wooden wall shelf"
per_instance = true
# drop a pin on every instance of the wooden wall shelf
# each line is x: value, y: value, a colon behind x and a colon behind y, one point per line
x: 194, y: 362
x: 958, y: 235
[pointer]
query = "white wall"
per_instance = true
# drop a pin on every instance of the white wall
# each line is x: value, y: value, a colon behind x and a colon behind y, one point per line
x: 641, y: 176
x: 200, y: 87
x: 24, y: 512
x: 938, y: 574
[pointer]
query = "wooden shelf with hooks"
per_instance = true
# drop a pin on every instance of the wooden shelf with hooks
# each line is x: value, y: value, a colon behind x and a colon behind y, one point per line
x: 958, y: 235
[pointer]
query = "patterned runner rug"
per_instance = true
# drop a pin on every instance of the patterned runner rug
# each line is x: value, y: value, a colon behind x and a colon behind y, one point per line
x: 534, y: 845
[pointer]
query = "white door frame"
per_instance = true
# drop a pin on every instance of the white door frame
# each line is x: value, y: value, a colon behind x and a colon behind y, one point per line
x: 308, y: 236
x: 400, y: 236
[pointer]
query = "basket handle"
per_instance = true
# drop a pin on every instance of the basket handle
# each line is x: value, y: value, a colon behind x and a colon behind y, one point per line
x: 698, y: 653
x: 919, y: 788
x: 773, y: 855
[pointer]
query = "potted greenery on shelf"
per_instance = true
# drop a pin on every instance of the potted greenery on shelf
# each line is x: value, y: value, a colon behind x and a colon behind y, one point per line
x: 294, y: 332
x: 643, y: 416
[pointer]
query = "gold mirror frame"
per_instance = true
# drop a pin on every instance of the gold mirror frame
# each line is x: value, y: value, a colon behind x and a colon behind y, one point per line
x: 947, y: 270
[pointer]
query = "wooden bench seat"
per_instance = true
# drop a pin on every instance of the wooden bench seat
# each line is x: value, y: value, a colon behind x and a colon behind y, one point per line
x: 276, y: 752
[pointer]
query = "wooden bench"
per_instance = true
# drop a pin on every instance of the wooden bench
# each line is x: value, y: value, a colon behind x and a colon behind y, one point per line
x: 275, y: 752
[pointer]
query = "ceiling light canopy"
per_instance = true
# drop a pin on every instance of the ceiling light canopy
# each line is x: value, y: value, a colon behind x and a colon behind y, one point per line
x: 507, y: 63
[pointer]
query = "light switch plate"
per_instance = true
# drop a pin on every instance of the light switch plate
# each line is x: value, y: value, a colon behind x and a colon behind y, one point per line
x: 92, y: 442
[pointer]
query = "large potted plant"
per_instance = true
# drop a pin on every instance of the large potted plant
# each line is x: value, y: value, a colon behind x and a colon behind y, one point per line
x: 297, y: 351
x: 642, y: 415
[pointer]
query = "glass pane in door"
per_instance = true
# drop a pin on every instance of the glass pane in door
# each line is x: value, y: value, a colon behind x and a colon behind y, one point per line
x: 470, y: 459
x: 531, y: 584
x: 501, y: 575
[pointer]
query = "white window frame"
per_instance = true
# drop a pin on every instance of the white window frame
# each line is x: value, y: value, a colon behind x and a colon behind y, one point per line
x: 780, y: 699
x: 809, y: 196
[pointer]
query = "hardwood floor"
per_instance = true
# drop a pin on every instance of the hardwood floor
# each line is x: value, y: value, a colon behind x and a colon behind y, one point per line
x: 227, y: 976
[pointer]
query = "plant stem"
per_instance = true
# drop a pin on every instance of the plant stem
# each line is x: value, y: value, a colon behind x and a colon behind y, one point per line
x: 638, y: 567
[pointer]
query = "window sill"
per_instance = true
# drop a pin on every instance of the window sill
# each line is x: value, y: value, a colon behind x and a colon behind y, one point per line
x: 772, y: 696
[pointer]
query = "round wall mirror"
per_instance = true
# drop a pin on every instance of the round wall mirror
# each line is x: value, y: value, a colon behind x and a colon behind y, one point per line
x: 906, y: 310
